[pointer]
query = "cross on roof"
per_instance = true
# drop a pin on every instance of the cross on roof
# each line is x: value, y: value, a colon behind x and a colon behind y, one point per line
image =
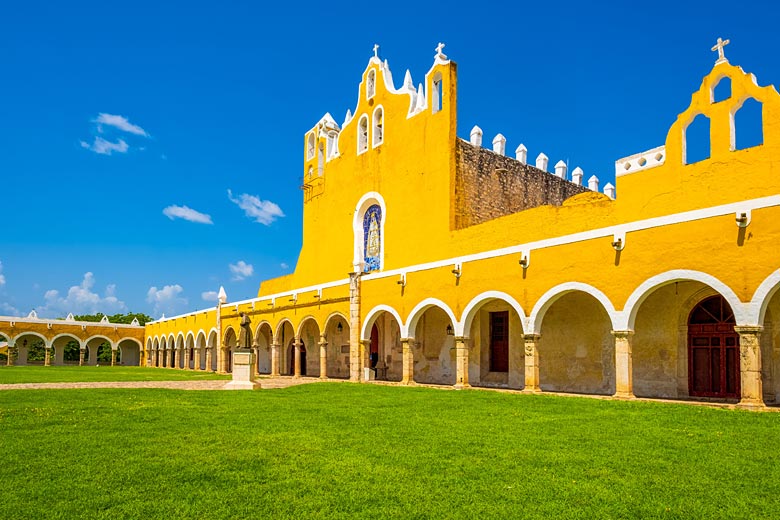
x: 376, y: 50
x: 719, y: 47
x: 440, y: 54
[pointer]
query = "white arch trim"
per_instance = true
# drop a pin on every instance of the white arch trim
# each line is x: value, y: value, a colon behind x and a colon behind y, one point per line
x: 373, y: 314
x: 189, y: 335
x: 135, y: 340
x: 280, y: 327
x: 99, y: 336
x: 66, y: 335
x: 408, y: 329
x: 640, y: 294
x: 366, y: 201
x: 473, y: 306
x: 260, y: 326
x: 333, y: 315
x: 762, y: 296
x: 41, y: 336
x: 301, y: 324
x: 545, y: 302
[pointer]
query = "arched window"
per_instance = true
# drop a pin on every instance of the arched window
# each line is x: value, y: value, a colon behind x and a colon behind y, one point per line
x: 332, y: 144
x: 321, y: 159
x: 371, y: 84
x: 372, y: 239
x: 363, y: 134
x: 696, y: 140
x: 721, y: 91
x: 379, y: 121
x: 748, y: 125
x: 310, y: 146
x: 436, y: 99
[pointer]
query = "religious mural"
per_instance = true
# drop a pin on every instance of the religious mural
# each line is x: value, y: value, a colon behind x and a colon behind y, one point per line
x: 372, y: 239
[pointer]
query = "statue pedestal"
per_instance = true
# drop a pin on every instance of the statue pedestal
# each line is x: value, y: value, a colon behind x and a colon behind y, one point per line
x: 243, y: 371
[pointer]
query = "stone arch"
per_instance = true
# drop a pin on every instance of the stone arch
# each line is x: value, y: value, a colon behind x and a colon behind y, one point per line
x: 337, y: 355
x: 550, y: 297
x: 419, y: 310
x: 309, y: 333
x: 264, y: 338
x: 23, y: 347
x: 494, y: 323
x: 761, y: 298
x: 129, y: 350
x: 200, y: 347
x: 373, y: 314
x: 366, y: 201
x: 628, y: 316
x: 94, y: 349
x: 432, y: 325
x: 303, y: 322
x: 65, y: 348
x: 285, y: 335
x: 179, y: 349
x: 229, y: 342
x: 280, y: 328
x: 213, y: 346
x: 190, y: 360
x: 576, y: 349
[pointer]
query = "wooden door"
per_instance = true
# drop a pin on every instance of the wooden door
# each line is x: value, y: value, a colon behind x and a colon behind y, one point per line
x: 499, y: 341
x: 713, y: 350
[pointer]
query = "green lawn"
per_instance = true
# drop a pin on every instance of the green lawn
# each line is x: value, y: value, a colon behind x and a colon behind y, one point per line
x: 70, y: 373
x: 347, y: 450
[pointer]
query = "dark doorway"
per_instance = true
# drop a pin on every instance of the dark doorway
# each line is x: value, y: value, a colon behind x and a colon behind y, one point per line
x: 373, y: 354
x: 499, y: 341
x: 713, y: 350
x: 292, y: 358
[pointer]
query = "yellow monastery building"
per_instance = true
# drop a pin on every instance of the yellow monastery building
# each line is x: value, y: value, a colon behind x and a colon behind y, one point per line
x: 427, y: 258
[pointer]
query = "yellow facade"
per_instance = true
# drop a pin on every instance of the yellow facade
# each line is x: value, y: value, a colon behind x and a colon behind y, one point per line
x: 598, y: 290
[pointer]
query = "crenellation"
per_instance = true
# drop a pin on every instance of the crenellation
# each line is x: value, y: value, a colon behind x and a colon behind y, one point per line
x: 476, y: 136
x: 609, y: 190
x: 542, y: 161
x: 521, y: 154
x: 576, y: 176
x: 560, y: 169
x: 499, y: 144
x: 593, y: 183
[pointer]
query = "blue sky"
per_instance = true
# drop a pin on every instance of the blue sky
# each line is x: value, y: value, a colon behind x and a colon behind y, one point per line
x: 112, y: 112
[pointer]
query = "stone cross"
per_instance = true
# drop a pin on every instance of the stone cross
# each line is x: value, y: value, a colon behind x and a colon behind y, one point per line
x: 719, y: 47
x: 439, y: 53
x: 376, y: 50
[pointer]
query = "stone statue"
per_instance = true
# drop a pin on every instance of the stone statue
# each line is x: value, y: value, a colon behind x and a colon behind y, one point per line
x: 245, y: 336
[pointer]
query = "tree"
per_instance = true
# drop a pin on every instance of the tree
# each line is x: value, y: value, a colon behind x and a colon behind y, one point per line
x: 116, y: 318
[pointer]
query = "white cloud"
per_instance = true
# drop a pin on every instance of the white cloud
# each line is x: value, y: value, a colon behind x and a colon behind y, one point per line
x: 284, y: 266
x: 262, y: 211
x: 186, y: 213
x: 82, y: 300
x: 166, y: 300
x: 9, y: 310
x: 2, y: 276
x: 104, y: 147
x: 120, y: 123
x: 209, y: 296
x: 241, y: 270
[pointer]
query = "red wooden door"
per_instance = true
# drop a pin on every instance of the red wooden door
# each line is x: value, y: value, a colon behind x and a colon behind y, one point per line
x: 499, y: 341
x: 713, y: 350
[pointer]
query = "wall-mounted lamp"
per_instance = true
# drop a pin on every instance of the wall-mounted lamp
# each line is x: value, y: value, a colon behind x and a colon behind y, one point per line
x: 457, y: 270
x: 402, y: 280
x: 339, y: 328
x: 743, y: 218
x: 525, y: 259
x: 619, y: 241
x: 449, y: 330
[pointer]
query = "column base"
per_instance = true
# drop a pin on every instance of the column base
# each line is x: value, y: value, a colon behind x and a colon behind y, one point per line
x: 461, y: 386
x: 531, y: 390
x: 623, y: 396
x: 754, y: 405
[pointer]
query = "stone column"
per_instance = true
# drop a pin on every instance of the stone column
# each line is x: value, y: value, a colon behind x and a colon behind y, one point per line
x: 531, y: 363
x: 113, y: 357
x: 10, y: 359
x: 275, y: 359
x: 323, y: 357
x: 750, y: 366
x: 355, y: 357
x: 221, y: 359
x: 81, y: 356
x: 196, y: 358
x: 407, y: 361
x: 297, y: 354
x: 209, y: 356
x: 47, y: 356
x: 624, y: 376
x: 461, y: 362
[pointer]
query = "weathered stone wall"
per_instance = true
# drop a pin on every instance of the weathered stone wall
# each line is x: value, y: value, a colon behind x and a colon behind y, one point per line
x: 489, y: 185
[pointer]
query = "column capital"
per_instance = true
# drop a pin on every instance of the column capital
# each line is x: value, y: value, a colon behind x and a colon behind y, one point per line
x: 622, y: 333
x: 323, y: 342
x: 461, y: 338
x: 531, y: 337
x: 748, y: 329
x: 407, y: 340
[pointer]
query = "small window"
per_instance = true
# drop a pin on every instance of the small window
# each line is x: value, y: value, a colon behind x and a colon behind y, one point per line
x: 379, y: 121
x: 748, y: 125
x: 321, y: 159
x: 371, y: 84
x: 696, y: 140
x: 310, y: 146
x: 363, y: 134
x: 332, y: 144
x: 722, y: 91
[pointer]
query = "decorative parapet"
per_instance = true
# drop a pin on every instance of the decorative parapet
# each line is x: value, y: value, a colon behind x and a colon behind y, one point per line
x: 640, y: 161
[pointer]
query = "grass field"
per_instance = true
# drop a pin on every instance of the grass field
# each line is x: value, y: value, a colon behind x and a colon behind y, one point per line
x: 347, y: 450
x: 84, y: 374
